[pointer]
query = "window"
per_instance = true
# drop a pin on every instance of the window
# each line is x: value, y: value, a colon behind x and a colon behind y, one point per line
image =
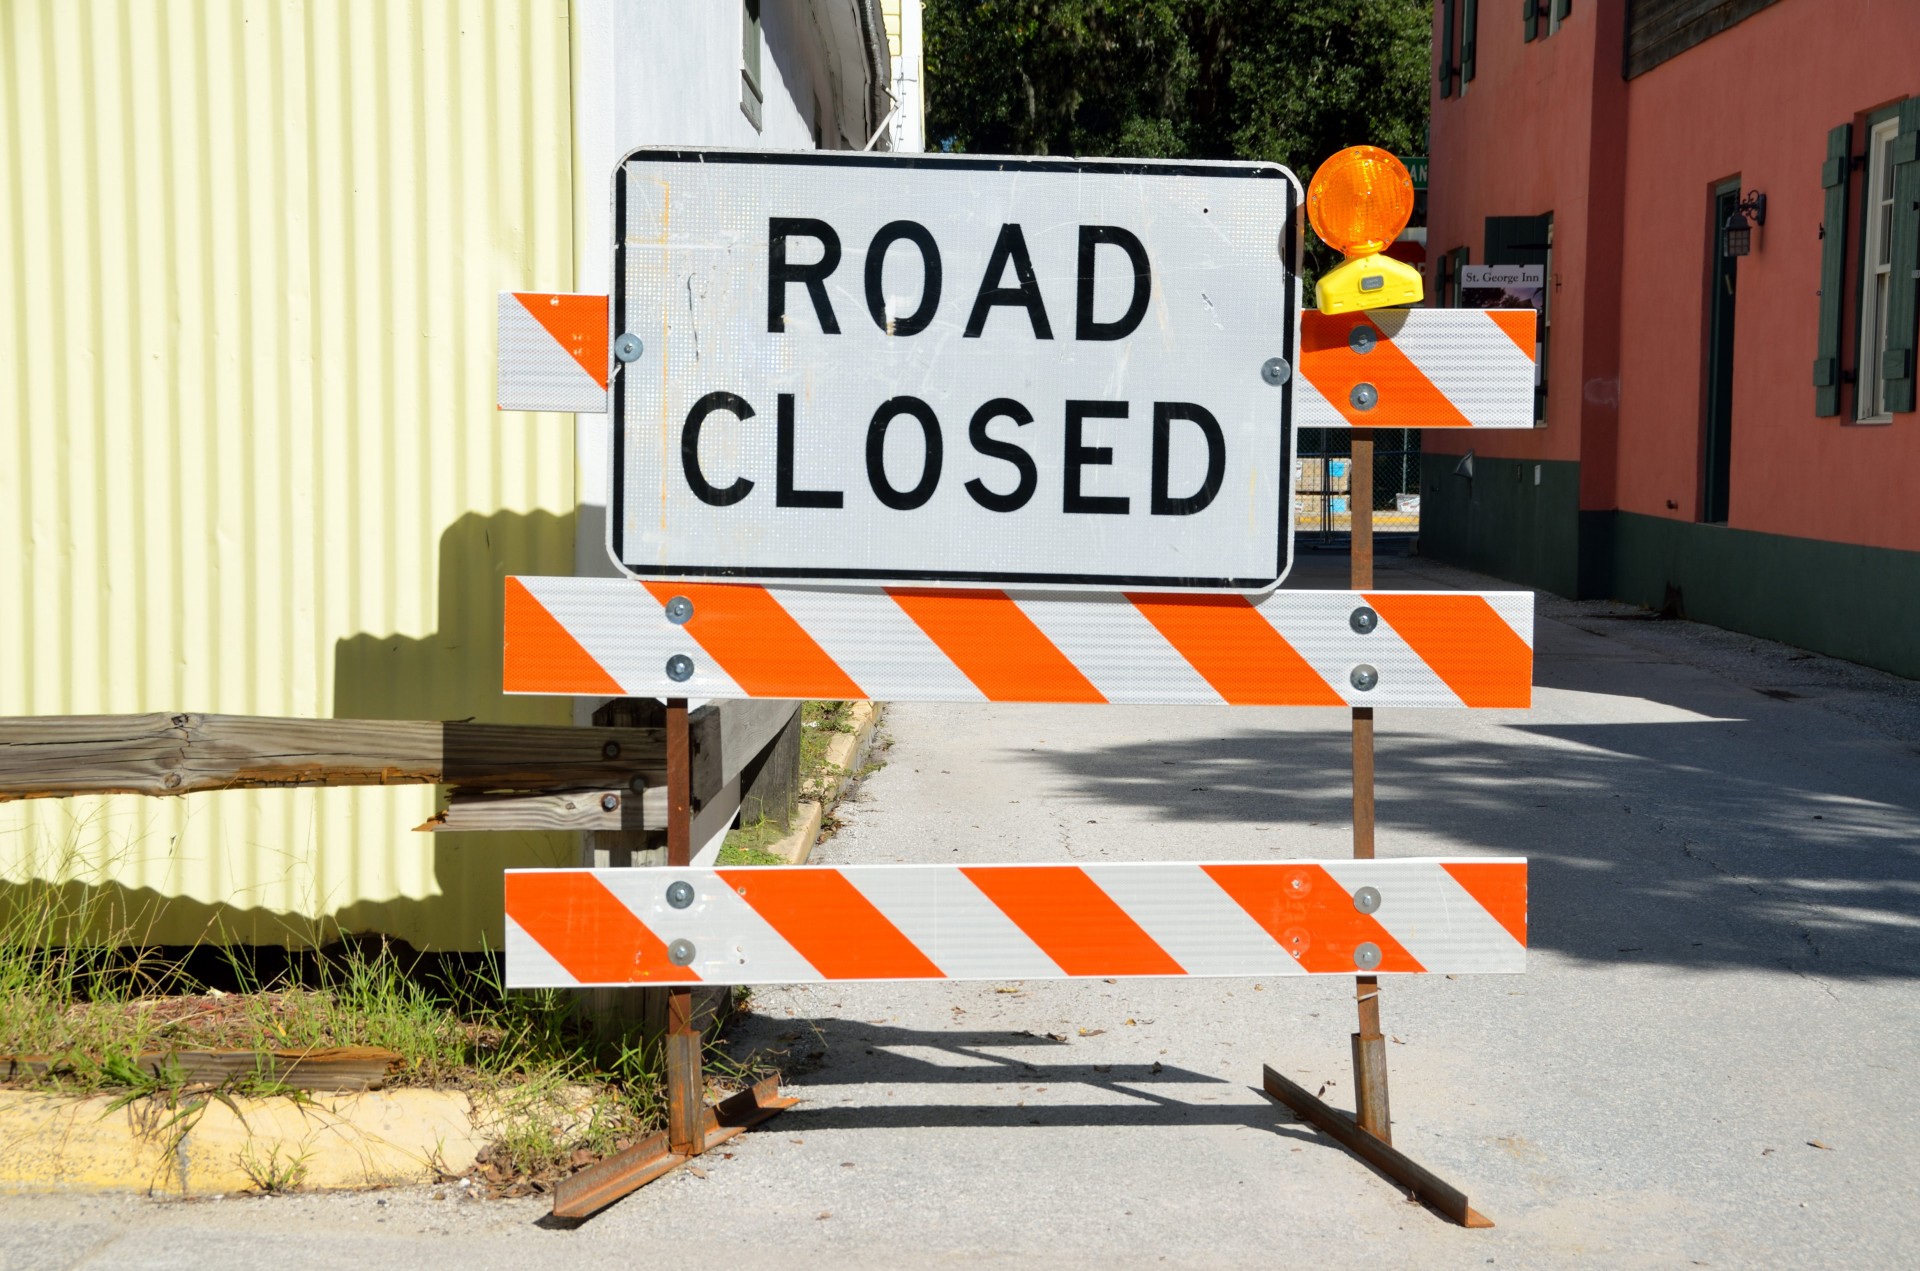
x: 1457, y: 44
x: 751, y: 95
x: 1876, y: 275
x: 1543, y: 17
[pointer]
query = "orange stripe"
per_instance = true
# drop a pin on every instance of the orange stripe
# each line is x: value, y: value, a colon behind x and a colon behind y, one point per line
x: 758, y: 643
x: 542, y: 656
x: 1407, y: 399
x: 1518, y: 324
x: 830, y: 924
x: 1466, y: 644
x: 1501, y: 889
x: 573, y: 916
x: 577, y: 324
x: 1072, y: 920
x: 1310, y: 914
x: 996, y: 645
x: 1236, y: 650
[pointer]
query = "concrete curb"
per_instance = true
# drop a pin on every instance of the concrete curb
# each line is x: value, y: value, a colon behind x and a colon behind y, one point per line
x: 846, y: 753
x: 58, y: 1143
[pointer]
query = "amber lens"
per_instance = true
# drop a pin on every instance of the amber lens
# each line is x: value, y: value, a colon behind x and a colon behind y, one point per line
x: 1359, y: 200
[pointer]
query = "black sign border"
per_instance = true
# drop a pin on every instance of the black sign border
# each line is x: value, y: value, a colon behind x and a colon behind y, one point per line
x: 616, y: 495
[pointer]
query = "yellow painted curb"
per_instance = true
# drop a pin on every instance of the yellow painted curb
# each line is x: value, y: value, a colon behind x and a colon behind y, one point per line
x: 54, y: 1143
x: 844, y: 752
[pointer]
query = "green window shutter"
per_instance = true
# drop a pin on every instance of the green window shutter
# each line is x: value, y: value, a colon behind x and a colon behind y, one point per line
x: 1834, y: 175
x: 1896, y: 366
x: 1446, y: 48
x: 1561, y: 8
x: 1469, y: 20
x: 1530, y: 10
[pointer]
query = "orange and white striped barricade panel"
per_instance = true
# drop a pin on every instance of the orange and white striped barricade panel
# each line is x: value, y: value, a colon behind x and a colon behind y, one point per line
x: 553, y: 352
x: 612, y: 637
x: 1416, y: 368
x: 810, y: 923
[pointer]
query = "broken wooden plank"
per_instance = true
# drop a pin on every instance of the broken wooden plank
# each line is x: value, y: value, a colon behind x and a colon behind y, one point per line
x: 329, y: 1068
x: 557, y: 810
x: 166, y: 754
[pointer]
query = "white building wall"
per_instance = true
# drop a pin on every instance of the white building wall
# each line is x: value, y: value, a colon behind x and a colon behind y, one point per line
x: 667, y: 72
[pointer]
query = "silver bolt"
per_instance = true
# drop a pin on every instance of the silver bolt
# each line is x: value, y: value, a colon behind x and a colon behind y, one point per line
x: 628, y: 347
x: 679, y: 668
x: 1366, y: 955
x: 680, y: 953
x: 1364, y: 677
x: 609, y: 802
x: 1364, y: 396
x: 1363, y: 620
x: 680, y: 894
x: 611, y: 750
x: 1366, y: 900
x: 679, y: 609
x: 638, y: 785
x: 1275, y: 370
x: 1362, y: 339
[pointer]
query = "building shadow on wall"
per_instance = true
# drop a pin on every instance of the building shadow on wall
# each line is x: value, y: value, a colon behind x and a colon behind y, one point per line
x: 454, y: 673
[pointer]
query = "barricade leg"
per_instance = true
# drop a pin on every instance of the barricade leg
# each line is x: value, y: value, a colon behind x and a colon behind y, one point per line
x: 692, y: 1127
x: 1368, y: 1131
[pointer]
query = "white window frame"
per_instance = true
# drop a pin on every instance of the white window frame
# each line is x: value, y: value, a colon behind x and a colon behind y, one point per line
x: 1876, y: 276
x: 752, y: 96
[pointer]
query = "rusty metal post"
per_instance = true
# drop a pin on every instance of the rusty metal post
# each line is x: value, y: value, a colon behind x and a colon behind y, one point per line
x: 1369, y: 1045
x: 686, y: 1088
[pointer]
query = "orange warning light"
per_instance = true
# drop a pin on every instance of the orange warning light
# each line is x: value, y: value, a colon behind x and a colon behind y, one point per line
x: 1359, y: 201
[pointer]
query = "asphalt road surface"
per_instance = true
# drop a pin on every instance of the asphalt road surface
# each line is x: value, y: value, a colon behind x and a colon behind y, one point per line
x: 1710, y: 1061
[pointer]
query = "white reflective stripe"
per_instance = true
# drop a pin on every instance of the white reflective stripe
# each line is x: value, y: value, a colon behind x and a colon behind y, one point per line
x: 534, y: 372
x: 732, y: 943
x: 626, y: 631
x: 1311, y: 409
x: 1319, y: 625
x: 1190, y: 916
x: 881, y: 649
x: 1432, y: 916
x: 1471, y: 361
x: 1113, y: 645
x: 950, y: 920
x: 533, y: 967
x: 1515, y: 609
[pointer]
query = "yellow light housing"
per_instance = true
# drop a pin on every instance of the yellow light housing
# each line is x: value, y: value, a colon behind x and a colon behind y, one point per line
x: 1359, y: 201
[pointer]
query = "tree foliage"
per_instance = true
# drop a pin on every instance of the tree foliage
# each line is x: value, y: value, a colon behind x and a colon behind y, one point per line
x: 1289, y: 81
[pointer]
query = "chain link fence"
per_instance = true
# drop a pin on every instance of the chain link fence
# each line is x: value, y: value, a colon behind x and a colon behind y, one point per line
x: 1323, y: 480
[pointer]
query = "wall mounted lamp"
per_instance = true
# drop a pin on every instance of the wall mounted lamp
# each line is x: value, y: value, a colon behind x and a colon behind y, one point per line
x: 1739, y: 233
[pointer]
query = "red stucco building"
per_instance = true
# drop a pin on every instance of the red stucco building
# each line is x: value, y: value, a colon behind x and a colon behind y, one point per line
x: 1732, y: 436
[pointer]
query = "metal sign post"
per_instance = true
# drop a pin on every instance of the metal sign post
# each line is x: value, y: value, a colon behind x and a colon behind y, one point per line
x: 935, y: 429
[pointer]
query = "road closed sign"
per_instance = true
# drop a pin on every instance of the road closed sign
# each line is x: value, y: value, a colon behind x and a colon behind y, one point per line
x: 924, y: 370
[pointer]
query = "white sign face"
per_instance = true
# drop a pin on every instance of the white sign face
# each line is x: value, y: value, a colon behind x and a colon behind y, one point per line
x: 861, y: 368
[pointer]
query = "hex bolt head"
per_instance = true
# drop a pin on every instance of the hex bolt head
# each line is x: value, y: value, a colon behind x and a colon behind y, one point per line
x: 1364, y: 396
x: 1364, y: 678
x: 1363, y: 620
x: 1362, y: 338
x: 680, y: 953
x: 628, y: 347
x: 679, y: 609
x: 610, y: 751
x: 679, y: 668
x: 1366, y: 955
x: 609, y: 802
x: 1367, y: 899
x: 638, y: 785
x: 1275, y: 371
x: 680, y: 894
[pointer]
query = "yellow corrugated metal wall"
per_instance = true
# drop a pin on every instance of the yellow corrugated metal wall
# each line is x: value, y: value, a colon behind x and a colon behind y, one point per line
x: 249, y: 461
